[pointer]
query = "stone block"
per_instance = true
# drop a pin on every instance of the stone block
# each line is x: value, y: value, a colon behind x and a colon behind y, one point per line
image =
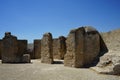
x: 62, y: 47
x: 74, y: 56
x: 92, y: 46
x: 47, y: 49
x: 37, y: 49
x: 22, y: 48
x: 0, y: 48
x: 59, y: 47
x: 13, y: 49
x: 83, y: 47
x: 9, y: 48
x: 26, y: 58
x: 56, y: 49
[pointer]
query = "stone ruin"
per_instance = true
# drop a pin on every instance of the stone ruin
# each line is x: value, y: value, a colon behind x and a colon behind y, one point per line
x: 47, y: 48
x: 13, y: 50
x: 37, y: 49
x: 59, y: 47
x: 83, y: 47
x: 0, y: 48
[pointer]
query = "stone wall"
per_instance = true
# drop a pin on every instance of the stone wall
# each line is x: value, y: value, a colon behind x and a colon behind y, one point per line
x: 55, y: 48
x: 10, y: 49
x: 92, y: 46
x: 37, y: 49
x: 59, y: 47
x: 47, y: 49
x: 83, y: 47
x: 13, y: 49
x: 0, y: 48
x: 22, y: 47
x: 75, y: 48
x: 62, y: 47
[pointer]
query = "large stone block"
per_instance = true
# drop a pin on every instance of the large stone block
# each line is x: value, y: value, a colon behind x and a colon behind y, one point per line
x: 92, y: 46
x: 13, y: 49
x: 0, y: 48
x: 75, y: 48
x: 9, y: 48
x: 47, y: 49
x: 83, y: 47
x: 37, y: 49
x: 59, y: 47
x: 62, y: 47
x: 22, y: 48
x: 55, y: 48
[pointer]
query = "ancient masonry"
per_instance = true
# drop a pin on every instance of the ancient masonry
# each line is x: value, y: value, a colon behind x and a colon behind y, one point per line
x: 0, y: 48
x: 37, y: 49
x: 13, y: 50
x: 81, y: 48
x: 47, y: 49
x: 59, y: 47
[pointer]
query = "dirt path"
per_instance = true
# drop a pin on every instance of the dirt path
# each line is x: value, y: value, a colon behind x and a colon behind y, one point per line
x: 39, y: 71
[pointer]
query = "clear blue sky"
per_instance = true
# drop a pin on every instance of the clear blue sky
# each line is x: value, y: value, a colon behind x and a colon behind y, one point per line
x: 30, y: 19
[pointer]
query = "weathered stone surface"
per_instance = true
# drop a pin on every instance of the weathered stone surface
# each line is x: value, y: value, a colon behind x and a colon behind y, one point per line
x: 75, y: 48
x: 47, y: 48
x: 62, y: 47
x: 37, y: 49
x: 0, y: 48
x: 22, y: 48
x: 30, y: 51
x: 13, y: 49
x: 26, y: 58
x: 91, y: 45
x: 55, y: 48
x: 109, y: 64
x: 9, y: 48
x: 59, y: 47
x: 83, y: 47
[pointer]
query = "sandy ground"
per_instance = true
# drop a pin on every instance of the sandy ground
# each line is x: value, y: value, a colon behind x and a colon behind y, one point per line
x: 39, y: 71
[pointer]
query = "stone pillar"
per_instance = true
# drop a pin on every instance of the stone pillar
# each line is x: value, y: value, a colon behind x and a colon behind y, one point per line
x: 9, y: 48
x: 0, y: 48
x: 37, y: 49
x: 47, y: 49
x: 75, y: 48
